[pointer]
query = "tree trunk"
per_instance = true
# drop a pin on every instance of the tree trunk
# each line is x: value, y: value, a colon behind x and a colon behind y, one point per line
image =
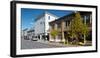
x: 63, y: 40
x: 67, y: 41
x: 77, y: 41
x: 55, y: 39
x: 84, y: 39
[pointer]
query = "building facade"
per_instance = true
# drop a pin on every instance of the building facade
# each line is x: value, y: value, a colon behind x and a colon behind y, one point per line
x: 42, y: 25
x: 28, y: 33
x: 62, y: 25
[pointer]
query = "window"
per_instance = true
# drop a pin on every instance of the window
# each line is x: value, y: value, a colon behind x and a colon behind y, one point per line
x: 59, y: 25
x: 49, y: 17
x: 40, y: 22
x: 67, y: 23
x: 86, y: 19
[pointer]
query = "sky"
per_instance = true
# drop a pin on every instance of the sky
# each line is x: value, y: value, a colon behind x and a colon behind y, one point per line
x: 29, y: 15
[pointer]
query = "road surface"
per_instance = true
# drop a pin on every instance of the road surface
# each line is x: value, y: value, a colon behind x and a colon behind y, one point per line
x: 29, y: 44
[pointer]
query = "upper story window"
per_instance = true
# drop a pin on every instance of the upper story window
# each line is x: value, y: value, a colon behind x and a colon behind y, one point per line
x: 52, y: 26
x: 67, y: 23
x: 86, y: 17
x: 49, y: 17
x: 40, y: 22
x: 59, y: 25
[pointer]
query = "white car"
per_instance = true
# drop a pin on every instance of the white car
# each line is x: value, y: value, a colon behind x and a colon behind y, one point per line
x: 35, y: 38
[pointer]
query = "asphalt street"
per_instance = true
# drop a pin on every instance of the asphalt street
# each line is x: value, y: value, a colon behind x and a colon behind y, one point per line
x: 29, y: 44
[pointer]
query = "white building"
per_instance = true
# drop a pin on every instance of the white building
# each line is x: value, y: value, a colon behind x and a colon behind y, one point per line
x: 24, y: 32
x: 42, y: 24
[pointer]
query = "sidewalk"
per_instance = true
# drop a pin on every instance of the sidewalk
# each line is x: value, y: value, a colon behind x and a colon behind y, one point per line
x: 56, y: 44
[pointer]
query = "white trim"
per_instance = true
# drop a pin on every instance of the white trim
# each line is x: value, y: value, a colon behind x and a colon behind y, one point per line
x: 51, y: 50
x: 51, y: 14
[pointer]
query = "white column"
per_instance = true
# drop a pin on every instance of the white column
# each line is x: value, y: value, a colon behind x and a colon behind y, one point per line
x: 90, y: 18
x: 67, y: 23
x: 85, y: 19
x: 40, y: 37
x: 55, y: 29
x: 55, y: 26
x: 64, y: 25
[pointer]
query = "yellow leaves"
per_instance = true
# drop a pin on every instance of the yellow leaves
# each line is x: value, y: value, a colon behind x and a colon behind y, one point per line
x: 54, y: 33
x: 77, y: 26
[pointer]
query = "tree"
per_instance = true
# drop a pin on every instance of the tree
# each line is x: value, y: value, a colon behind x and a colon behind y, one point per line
x: 70, y: 35
x: 78, y: 27
x: 85, y: 31
x: 54, y: 33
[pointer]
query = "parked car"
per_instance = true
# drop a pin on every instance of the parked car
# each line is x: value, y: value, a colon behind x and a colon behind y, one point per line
x: 34, y: 38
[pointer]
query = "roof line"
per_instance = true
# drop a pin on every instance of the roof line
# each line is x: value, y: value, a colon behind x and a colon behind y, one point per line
x: 51, y: 14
